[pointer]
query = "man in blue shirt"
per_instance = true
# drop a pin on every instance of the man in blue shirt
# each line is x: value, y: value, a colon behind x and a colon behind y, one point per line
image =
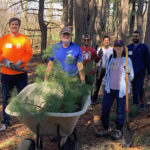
x: 139, y: 54
x: 68, y: 55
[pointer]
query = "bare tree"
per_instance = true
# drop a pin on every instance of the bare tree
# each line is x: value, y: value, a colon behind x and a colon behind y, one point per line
x: 43, y: 26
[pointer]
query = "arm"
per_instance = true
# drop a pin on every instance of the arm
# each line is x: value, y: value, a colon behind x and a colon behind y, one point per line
x: 81, y: 71
x: 147, y: 59
x: 48, y: 70
x: 96, y: 57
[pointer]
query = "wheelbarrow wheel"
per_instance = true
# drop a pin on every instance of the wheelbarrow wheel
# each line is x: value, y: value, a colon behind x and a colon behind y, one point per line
x: 71, y: 143
x: 26, y: 144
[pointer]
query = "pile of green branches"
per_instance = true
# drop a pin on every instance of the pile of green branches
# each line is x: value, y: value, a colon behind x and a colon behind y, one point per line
x: 60, y: 93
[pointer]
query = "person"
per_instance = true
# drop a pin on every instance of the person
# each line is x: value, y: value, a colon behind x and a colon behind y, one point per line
x: 105, y: 51
x: 68, y: 55
x: 89, y: 57
x: 15, y: 52
x: 139, y: 54
x: 115, y: 88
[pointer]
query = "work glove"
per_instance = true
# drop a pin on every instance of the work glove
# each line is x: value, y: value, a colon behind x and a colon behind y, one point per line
x: 17, y: 65
x: 100, y: 53
x: 7, y: 63
x: 127, y: 69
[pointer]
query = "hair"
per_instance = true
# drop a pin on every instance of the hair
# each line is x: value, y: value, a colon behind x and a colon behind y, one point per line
x: 106, y: 36
x: 123, y: 53
x: 14, y: 19
x: 136, y: 32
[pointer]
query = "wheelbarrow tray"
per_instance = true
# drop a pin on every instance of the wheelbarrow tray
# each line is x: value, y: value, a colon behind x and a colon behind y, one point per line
x: 49, y: 123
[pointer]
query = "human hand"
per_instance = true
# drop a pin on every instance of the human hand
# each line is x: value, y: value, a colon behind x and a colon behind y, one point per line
x: 127, y: 69
x: 7, y: 63
x: 18, y: 64
x: 100, y: 53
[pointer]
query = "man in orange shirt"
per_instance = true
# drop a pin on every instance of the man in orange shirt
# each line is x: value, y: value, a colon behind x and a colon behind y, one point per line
x: 15, y: 52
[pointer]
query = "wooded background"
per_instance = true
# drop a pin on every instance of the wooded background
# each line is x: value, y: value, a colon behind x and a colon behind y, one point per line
x: 42, y: 19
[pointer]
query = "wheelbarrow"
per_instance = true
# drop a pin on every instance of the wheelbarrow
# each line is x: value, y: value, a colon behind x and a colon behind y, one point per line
x: 60, y: 125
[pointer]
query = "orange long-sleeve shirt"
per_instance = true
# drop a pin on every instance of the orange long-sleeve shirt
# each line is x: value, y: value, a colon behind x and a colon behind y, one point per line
x: 14, y: 49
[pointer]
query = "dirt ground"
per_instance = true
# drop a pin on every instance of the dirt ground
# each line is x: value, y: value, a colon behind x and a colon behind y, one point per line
x: 10, y: 138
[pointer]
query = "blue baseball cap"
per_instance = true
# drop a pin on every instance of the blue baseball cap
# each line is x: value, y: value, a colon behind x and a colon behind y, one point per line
x: 119, y: 43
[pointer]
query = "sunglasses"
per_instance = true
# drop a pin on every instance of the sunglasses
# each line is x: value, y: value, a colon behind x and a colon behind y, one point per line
x: 118, y: 46
x: 86, y: 39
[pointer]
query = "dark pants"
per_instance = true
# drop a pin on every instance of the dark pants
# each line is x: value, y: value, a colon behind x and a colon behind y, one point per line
x: 106, y: 106
x: 98, y: 83
x: 8, y: 83
x: 138, y: 90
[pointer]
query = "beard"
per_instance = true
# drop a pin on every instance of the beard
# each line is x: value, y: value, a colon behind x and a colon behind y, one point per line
x: 86, y: 44
x: 136, y: 41
x: 66, y: 42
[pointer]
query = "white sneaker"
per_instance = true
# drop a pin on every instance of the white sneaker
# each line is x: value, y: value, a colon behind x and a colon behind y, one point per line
x: 3, y: 127
x: 103, y: 132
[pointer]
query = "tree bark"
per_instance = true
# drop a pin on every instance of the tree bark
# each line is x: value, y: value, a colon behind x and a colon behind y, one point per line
x: 81, y: 15
x: 132, y: 18
x: 98, y: 21
x: 91, y: 21
x: 70, y: 15
x: 147, y: 33
x: 124, y: 21
x: 43, y: 26
x: 140, y: 18
x: 65, y: 12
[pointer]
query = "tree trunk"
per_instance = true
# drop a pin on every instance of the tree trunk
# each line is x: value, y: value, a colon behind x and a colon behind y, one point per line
x: 132, y: 18
x: 65, y: 12
x: 25, y: 14
x: 91, y: 21
x: 124, y: 21
x: 70, y: 15
x: 147, y: 33
x: 81, y: 15
x: 98, y: 21
x: 140, y: 18
x: 43, y: 27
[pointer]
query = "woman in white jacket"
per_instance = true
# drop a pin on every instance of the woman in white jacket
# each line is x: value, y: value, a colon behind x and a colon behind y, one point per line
x: 115, y: 88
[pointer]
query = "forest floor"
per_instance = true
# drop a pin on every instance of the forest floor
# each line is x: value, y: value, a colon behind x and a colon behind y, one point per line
x: 11, y: 137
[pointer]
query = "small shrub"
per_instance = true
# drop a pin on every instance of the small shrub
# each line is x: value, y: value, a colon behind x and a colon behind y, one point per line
x: 134, y: 111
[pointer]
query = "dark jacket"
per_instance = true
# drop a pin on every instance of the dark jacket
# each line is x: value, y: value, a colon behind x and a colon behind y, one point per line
x: 140, y: 57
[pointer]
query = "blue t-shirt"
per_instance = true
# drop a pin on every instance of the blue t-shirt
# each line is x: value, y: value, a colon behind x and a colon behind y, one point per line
x: 67, y: 57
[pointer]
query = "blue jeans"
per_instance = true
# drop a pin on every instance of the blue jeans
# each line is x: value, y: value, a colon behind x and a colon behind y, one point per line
x: 8, y: 83
x: 137, y: 89
x: 106, y: 106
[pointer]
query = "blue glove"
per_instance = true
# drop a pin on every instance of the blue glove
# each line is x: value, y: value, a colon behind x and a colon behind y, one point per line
x: 7, y: 63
